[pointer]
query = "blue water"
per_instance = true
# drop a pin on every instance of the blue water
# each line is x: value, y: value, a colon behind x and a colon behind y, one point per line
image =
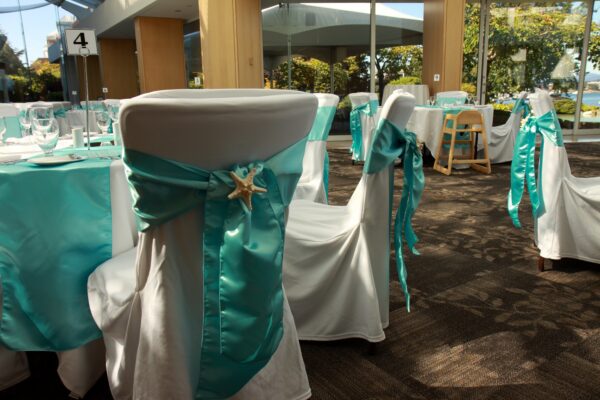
x: 593, y: 99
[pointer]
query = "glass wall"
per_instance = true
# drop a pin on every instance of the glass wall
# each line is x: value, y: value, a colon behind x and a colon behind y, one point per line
x: 530, y: 45
x: 590, y: 108
x: 325, y: 47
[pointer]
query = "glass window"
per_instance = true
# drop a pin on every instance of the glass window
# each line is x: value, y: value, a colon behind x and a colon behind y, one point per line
x: 532, y: 45
x: 589, y: 122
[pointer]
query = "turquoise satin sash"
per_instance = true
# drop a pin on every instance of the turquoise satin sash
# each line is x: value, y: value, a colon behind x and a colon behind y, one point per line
x: 522, y: 169
x: 373, y: 106
x: 320, y: 132
x: 243, y: 254
x: 521, y: 106
x: 56, y: 228
x: 356, y: 130
x: 389, y: 143
x: 322, y: 124
x: 60, y: 113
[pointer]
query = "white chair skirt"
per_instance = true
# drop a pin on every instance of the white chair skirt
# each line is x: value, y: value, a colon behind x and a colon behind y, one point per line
x: 138, y: 364
x: 570, y: 224
x: 311, y: 185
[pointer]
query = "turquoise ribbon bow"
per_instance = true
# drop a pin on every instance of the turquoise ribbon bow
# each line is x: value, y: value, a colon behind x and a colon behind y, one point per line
x: 356, y: 130
x: 319, y: 132
x: 60, y: 113
x: 522, y: 169
x: 390, y: 143
x: 521, y: 106
x: 243, y: 255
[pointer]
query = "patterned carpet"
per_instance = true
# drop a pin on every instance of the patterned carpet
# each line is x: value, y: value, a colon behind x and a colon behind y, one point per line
x: 484, y: 323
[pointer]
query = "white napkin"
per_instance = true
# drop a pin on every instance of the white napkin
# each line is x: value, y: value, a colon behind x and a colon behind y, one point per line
x: 9, y: 157
x: 23, y: 140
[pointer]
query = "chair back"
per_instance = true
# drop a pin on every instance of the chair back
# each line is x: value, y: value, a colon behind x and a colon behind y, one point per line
x: 469, y: 117
x: 213, y: 135
x: 451, y: 97
x: 214, y: 129
x: 371, y: 200
x: 359, y: 98
x: 555, y: 160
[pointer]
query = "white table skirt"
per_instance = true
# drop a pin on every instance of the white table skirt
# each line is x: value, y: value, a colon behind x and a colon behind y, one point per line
x: 77, y: 118
x: 426, y: 123
x: 79, y: 369
x: 421, y: 92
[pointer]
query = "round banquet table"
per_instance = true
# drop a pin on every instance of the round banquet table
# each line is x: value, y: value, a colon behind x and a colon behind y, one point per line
x: 426, y: 122
x: 80, y: 367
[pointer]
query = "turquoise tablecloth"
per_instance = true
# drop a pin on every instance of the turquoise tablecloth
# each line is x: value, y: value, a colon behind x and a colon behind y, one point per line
x: 55, y: 229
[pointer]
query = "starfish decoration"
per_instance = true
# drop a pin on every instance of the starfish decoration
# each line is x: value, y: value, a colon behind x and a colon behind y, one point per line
x: 245, y: 187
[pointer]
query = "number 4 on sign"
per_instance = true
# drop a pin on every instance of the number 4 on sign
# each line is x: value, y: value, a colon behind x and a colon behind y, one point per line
x: 80, y: 40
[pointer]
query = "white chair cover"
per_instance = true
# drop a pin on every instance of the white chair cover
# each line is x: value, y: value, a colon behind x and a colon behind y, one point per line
x: 451, y: 96
x: 502, y: 138
x: 570, y: 225
x: 313, y: 182
x: 337, y: 258
x: 150, y: 308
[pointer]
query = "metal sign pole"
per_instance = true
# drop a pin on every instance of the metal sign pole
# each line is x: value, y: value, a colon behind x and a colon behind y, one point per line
x: 87, y: 96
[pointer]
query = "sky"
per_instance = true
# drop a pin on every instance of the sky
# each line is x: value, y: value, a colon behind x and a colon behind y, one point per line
x: 40, y: 22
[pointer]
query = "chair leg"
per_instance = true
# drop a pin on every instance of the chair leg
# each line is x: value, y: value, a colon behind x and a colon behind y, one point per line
x: 451, y: 155
x: 540, y: 263
x: 372, y: 349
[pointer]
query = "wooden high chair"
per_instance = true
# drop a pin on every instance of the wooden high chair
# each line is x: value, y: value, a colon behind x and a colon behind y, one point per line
x: 467, y: 121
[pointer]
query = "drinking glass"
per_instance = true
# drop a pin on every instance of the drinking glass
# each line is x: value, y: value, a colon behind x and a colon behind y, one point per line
x: 45, y: 133
x: 40, y: 112
x: 24, y: 121
x: 432, y: 100
x: 103, y: 121
x: 112, y: 106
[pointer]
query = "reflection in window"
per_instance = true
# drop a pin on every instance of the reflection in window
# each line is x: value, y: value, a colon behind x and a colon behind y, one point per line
x: 324, y: 47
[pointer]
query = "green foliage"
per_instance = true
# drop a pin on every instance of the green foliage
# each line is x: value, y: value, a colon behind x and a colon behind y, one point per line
x: 564, y: 106
x: 45, y: 79
x: 310, y: 75
x: 502, y: 107
x: 469, y: 88
x: 407, y: 80
x: 10, y: 58
x: 345, y: 103
x: 530, y: 45
x: 19, y: 92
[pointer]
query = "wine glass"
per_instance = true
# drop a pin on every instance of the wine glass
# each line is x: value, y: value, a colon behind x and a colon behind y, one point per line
x: 432, y: 100
x: 103, y: 121
x: 40, y: 112
x: 112, y: 106
x: 24, y: 121
x: 45, y: 134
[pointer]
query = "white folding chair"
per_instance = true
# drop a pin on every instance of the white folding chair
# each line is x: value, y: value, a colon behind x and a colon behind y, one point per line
x: 502, y: 137
x: 568, y: 215
x: 315, y: 166
x: 337, y: 258
x: 151, y: 308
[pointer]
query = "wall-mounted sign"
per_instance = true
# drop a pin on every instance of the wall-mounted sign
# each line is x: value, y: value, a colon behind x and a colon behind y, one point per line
x: 81, y: 42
